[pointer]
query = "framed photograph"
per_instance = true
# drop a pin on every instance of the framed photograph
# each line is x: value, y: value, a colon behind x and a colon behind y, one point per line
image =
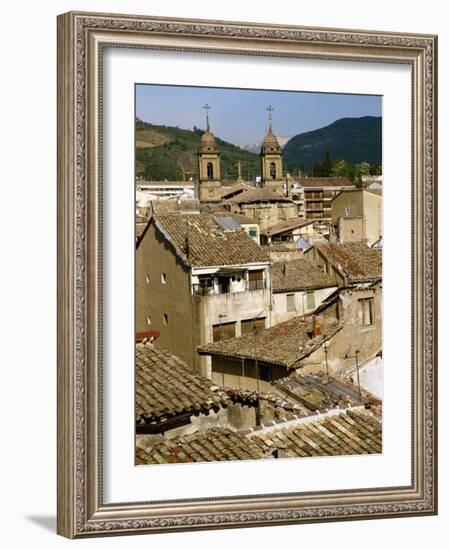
x: 246, y: 274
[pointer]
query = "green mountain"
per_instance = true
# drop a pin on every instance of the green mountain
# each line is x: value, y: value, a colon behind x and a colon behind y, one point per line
x: 354, y: 140
x: 169, y: 153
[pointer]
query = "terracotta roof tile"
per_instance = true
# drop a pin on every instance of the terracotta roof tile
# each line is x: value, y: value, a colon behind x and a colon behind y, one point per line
x: 319, y: 392
x: 299, y: 274
x: 166, y: 386
x: 357, y: 260
x: 201, y: 242
x: 286, y: 225
x: 352, y: 432
x: 284, y: 344
x: 257, y: 194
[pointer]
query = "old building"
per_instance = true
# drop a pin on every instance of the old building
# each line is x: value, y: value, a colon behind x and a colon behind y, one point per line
x: 314, y: 195
x: 263, y: 205
x: 348, y: 264
x: 299, y: 287
x: 256, y: 359
x: 357, y: 216
x: 197, y: 281
x: 343, y: 333
x: 289, y: 231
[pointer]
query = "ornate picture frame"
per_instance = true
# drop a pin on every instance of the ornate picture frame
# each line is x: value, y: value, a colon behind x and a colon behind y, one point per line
x: 82, y: 38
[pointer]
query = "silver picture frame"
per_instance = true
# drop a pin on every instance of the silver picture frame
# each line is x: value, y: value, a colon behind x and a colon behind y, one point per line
x: 82, y: 38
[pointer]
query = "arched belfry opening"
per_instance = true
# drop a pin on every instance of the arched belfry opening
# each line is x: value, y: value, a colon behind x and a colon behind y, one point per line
x: 210, y: 171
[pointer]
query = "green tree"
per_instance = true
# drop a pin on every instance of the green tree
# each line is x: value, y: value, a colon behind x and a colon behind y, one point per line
x: 339, y: 169
x: 327, y: 165
x: 364, y: 168
x: 317, y: 170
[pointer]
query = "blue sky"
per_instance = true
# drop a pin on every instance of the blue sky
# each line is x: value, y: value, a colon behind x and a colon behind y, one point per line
x: 240, y: 116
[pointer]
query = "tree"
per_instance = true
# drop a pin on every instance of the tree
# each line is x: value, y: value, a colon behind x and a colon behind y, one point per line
x: 317, y: 170
x: 327, y: 165
x: 339, y: 169
x: 364, y: 168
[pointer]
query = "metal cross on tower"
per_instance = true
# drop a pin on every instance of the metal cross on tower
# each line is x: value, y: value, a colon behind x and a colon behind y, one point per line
x: 207, y: 107
x: 270, y: 110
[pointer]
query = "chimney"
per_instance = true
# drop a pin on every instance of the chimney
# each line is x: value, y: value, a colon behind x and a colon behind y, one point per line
x: 316, y: 326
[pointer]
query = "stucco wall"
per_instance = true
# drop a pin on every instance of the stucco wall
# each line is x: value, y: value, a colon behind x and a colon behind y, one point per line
x: 352, y: 337
x: 155, y: 256
x: 280, y: 313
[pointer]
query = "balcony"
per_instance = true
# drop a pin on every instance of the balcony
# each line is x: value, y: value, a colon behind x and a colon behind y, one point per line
x: 228, y: 288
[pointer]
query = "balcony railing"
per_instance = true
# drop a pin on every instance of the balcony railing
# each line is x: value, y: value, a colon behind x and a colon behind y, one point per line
x: 201, y: 290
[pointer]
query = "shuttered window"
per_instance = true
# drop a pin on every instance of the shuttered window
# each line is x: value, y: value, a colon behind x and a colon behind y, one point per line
x: 290, y: 302
x: 227, y: 329
x: 249, y: 324
x: 366, y: 311
x: 310, y: 300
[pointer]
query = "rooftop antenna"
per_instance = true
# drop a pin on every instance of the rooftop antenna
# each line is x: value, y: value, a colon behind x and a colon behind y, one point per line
x: 207, y: 107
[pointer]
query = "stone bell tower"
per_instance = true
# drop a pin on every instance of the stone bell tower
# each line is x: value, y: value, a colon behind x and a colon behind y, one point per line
x: 209, y: 188
x: 271, y: 159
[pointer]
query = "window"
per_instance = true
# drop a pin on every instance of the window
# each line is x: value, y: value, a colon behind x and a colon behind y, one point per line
x: 249, y: 325
x: 210, y: 171
x: 227, y: 330
x: 164, y: 278
x: 273, y: 170
x: 165, y: 319
x: 291, y: 302
x: 310, y: 300
x: 252, y: 232
x: 366, y: 311
x: 255, y: 280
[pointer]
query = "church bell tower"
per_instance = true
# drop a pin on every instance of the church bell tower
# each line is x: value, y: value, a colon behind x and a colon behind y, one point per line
x: 271, y: 160
x: 209, y: 188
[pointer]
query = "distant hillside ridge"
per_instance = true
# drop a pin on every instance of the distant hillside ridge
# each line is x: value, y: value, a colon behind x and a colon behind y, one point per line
x: 170, y: 153
x: 353, y: 140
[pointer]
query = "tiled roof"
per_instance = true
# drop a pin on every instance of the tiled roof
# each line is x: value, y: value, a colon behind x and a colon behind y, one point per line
x: 259, y: 194
x: 319, y: 392
x: 353, y: 432
x: 357, y: 260
x: 325, y: 182
x: 201, y: 242
x: 284, y: 344
x: 299, y: 274
x: 212, y: 445
x: 166, y: 387
x: 175, y: 205
x: 232, y: 190
x: 286, y: 225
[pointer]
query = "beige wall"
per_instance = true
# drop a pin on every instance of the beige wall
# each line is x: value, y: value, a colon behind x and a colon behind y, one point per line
x: 350, y: 230
x: 360, y: 203
x: 267, y: 214
x: 352, y: 337
x: 280, y: 313
x: 155, y: 256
